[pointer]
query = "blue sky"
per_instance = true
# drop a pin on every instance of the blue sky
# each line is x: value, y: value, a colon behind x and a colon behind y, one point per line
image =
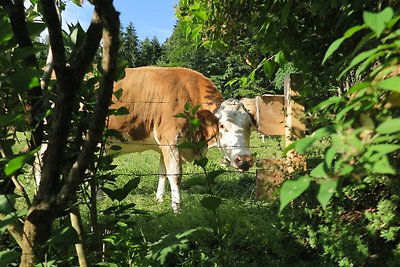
x: 150, y: 17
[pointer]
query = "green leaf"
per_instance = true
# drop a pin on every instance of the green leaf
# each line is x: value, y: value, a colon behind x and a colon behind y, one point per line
x: 8, y: 256
x: 7, y: 203
x: 180, y: 115
x: 211, y: 203
x: 292, y: 189
x: 389, y: 126
x: 187, y: 145
x: 201, y: 162
x: 6, y: 32
x: 107, y: 264
x: 25, y: 79
x: 326, y: 103
x: 201, y: 14
x: 332, y: 48
x: 303, y: 144
x: 195, y: 109
x: 324, y: 132
x: 35, y: 28
x: 359, y: 58
x: 77, y: 35
x: 358, y: 87
x: 195, y: 123
x: 121, y: 111
x: 391, y: 84
x: 120, y: 194
x: 210, y: 178
x: 383, y: 166
x: 11, y: 119
x: 336, y: 44
x: 16, y: 163
x: 66, y: 235
x: 345, y: 169
x: 269, y: 68
x: 187, y: 107
x: 285, y: 12
x: 10, y: 218
x: 377, y: 21
x: 384, y: 148
x: 329, y: 156
x: 369, y: 61
x: 280, y: 58
x: 319, y: 171
x: 326, y: 190
x: 130, y: 185
x: 118, y: 93
x: 77, y: 2
x: 24, y: 52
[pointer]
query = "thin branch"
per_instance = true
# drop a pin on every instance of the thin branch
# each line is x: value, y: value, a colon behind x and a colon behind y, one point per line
x: 88, y: 49
x: 67, y: 85
x: 110, y: 18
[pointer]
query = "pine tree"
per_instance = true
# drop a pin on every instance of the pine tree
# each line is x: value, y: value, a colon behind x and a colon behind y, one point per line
x: 157, y: 49
x: 129, y: 50
x: 146, y: 53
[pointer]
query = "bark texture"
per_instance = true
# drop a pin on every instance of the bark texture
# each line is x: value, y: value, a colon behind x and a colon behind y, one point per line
x: 54, y: 194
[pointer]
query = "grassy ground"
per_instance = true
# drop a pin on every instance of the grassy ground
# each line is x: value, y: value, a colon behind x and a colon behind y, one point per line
x: 245, y: 232
x: 232, y: 184
x: 242, y: 231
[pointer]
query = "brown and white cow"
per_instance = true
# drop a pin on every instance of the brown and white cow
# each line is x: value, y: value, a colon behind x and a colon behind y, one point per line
x: 153, y: 95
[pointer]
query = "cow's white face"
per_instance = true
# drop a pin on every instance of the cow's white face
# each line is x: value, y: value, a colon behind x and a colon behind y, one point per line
x: 234, y: 134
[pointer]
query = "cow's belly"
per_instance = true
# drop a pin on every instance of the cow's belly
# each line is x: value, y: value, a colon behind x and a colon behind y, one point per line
x: 119, y: 148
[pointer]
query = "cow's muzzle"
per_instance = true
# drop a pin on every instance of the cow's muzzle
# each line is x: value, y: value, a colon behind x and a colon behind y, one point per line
x: 244, y: 162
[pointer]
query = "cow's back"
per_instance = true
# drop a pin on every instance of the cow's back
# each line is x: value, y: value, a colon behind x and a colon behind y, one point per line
x: 153, y: 95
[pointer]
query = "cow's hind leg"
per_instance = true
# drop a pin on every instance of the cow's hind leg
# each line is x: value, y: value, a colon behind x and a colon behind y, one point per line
x: 173, y: 169
x: 161, y: 182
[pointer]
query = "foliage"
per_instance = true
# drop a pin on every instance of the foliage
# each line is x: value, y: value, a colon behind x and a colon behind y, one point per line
x: 360, y: 161
x: 137, y: 52
x: 279, y: 31
x: 364, y: 131
x: 150, y: 52
x: 223, y: 67
x: 129, y: 50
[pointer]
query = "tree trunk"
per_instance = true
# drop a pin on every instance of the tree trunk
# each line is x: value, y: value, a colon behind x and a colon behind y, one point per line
x: 53, y: 196
x: 37, y: 228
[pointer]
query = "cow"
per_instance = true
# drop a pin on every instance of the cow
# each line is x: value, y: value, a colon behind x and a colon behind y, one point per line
x: 152, y: 96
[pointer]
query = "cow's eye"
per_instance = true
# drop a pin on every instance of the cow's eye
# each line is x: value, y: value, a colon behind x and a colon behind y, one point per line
x: 221, y: 126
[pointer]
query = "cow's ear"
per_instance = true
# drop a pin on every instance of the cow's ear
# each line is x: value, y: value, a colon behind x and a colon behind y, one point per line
x: 253, y: 120
x: 209, y: 124
x: 250, y: 106
x: 207, y: 118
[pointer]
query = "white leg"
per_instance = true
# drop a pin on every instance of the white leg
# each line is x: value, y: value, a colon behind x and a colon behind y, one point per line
x: 173, y: 170
x: 161, y: 182
x: 174, y: 181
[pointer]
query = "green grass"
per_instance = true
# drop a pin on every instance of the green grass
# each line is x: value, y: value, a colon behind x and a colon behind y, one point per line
x: 249, y: 234
x: 231, y: 184
x: 246, y: 232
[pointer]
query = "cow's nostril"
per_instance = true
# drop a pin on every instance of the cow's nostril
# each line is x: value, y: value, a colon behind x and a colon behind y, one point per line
x: 244, y: 162
x: 244, y: 166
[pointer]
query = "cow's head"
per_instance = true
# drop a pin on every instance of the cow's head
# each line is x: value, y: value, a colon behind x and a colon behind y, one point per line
x: 234, y: 134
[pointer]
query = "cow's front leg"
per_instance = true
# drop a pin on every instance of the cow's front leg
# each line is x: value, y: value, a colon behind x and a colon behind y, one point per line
x: 161, y: 182
x: 173, y: 168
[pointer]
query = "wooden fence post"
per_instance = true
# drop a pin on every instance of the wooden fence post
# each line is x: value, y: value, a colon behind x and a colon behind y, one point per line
x: 272, y: 172
x: 294, y: 126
